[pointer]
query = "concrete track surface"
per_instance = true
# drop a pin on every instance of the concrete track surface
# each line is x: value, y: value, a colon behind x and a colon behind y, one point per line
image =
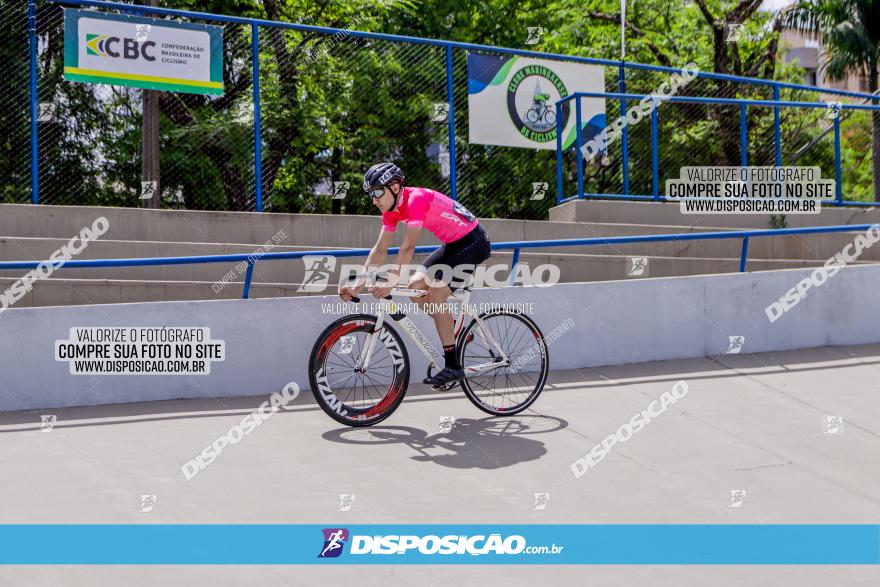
x: 759, y: 424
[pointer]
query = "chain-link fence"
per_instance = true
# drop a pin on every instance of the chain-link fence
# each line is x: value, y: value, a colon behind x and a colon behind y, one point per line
x: 15, y: 114
x: 89, y: 135
x: 707, y: 131
x: 333, y: 102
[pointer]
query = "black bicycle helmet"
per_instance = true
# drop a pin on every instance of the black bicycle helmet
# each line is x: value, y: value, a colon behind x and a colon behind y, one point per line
x: 381, y: 174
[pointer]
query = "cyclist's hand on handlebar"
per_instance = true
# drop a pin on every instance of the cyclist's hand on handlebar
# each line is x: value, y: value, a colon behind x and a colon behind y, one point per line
x: 380, y: 292
x: 346, y: 293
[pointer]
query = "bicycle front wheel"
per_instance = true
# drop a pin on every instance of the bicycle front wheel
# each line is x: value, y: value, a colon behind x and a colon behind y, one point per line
x: 509, y: 389
x: 351, y: 395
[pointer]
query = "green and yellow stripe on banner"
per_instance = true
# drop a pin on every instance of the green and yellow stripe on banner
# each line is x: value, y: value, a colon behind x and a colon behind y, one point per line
x: 150, y: 82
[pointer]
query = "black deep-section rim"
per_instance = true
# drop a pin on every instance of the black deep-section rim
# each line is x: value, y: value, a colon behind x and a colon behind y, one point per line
x: 350, y: 397
x: 506, y: 390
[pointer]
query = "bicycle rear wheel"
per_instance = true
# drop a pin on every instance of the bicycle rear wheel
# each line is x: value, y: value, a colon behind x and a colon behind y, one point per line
x: 510, y: 389
x: 358, y: 397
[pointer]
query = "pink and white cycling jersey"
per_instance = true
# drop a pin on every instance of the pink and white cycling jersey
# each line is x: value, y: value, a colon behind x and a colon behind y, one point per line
x: 446, y: 218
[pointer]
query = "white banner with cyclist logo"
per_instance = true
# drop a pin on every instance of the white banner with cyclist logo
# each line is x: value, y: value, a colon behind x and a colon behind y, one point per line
x: 512, y: 100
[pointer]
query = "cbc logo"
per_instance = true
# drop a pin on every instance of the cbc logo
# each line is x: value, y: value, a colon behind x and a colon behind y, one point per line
x: 127, y: 48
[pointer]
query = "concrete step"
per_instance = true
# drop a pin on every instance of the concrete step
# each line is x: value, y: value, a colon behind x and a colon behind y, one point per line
x: 818, y: 247
x: 577, y: 268
x: 243, y: 231
x: 575, y: 263
x: 668, y: 213
x: 286, y: 271
x: 188, y: 226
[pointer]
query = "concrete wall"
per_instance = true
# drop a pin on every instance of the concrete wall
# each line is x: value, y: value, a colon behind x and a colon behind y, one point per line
x: 268, y: 340
x: 139, y: 233
x: 668, y: 213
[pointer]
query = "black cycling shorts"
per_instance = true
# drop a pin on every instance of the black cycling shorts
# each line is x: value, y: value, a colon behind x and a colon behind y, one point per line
x: 470, y: 250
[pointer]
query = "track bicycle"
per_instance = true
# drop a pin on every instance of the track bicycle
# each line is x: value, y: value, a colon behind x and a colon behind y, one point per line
x: 359, y: 368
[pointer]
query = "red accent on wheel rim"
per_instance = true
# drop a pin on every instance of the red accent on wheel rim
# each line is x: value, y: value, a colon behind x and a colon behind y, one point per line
x: 336, y: 335
x: 386, y: 401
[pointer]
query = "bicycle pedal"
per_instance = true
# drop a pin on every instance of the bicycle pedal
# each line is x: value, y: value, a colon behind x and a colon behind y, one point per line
x: 445, y: 386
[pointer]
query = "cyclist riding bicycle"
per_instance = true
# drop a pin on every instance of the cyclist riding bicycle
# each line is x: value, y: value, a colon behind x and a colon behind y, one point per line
x: 465, y: 245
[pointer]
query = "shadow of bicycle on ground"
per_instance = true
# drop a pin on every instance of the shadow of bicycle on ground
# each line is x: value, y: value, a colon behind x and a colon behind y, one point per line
x: 463, y: 443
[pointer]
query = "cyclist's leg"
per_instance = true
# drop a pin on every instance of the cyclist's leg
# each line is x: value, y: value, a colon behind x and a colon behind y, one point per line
x: 433, y: 280
x: 453, y: 268
x: 434, y: 304
x: 437, y: 293
x: 459, y: 261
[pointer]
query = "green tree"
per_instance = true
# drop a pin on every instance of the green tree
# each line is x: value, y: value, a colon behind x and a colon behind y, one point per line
x: 663, y: 32
x: 14, y: 104
x: 67, y: 159
x: 334, y: 104
x: 850, y: 34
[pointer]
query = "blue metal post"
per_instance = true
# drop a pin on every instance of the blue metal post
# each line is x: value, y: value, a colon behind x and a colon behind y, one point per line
x: 838, y: 179
x: 743, y: 136
x: 624, y: 146
x: 453, y: 176
x: 513, y: 265
x: 655, y: 159
x: 744, y: 255
x: 579, y: 142
x: 558, y: 153
x: 32, y: 44
x: 247, y: 280
x: 777, y: 132
x: 258, y: 147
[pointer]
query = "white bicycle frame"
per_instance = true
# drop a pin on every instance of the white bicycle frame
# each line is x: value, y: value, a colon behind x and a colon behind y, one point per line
x: 408, y: 326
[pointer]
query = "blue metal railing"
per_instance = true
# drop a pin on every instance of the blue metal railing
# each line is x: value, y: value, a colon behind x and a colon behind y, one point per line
x: 258, y: 147
x: 743, y: 129
x: 32, y: 48
x: 515, y: 246
x: 255, y: 24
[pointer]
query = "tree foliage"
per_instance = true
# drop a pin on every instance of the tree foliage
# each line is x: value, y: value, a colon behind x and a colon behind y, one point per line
x: 331, y: 105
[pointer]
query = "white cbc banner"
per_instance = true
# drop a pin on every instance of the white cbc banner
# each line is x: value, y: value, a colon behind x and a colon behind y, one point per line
x: 512, y: 100
x: 142, y: 52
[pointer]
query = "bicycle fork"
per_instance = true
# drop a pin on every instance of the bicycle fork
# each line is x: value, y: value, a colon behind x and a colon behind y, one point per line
x: 364, y: 359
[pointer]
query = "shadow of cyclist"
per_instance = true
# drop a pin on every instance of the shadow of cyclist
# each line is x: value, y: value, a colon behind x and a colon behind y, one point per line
x: 490, y: 443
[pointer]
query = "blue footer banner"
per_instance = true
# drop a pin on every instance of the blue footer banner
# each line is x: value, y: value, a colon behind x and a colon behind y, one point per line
x: 686, y: 544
